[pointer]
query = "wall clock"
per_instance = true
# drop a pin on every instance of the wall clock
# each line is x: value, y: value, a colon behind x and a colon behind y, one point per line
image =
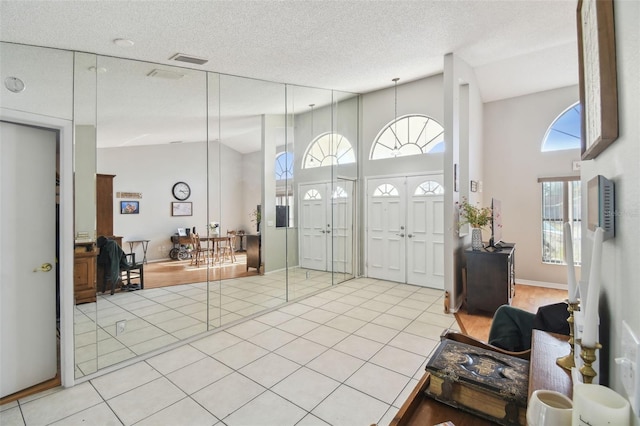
x: 181, y: 191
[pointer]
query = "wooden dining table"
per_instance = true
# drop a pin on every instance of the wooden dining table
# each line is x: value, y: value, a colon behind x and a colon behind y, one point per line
x: 215, y: 244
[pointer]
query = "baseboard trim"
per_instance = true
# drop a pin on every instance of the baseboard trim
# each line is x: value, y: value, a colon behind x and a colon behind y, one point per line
x: 545, y: 284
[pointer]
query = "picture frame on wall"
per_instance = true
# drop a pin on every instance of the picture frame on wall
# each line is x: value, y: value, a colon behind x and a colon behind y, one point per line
x: 598, y: 80
x: 129, y: 207
x: 181, y: 208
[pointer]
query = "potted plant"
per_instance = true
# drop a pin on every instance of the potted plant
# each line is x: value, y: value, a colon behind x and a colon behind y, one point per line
x: 477, y: 217
x: 256, y: 217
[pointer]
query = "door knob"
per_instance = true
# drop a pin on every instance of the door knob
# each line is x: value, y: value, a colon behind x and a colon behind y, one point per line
x: 400, y: 235
x: 410, y: 235
x: 328, y: 231
x: 45, y: 267
x: 323, y: 231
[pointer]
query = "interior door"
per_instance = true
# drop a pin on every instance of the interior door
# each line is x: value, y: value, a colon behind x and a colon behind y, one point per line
x: 386, y: 234
x: 342, y: 231
x: 28, y: 257
x: 313, y: 226
x: 425, y: 231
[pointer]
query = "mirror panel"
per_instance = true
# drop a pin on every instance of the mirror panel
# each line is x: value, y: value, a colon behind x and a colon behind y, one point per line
x: 85, y: 253
x: 151, y: 134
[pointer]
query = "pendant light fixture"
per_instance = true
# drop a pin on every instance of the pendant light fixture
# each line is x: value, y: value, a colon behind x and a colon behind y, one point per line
x: 396, y: 148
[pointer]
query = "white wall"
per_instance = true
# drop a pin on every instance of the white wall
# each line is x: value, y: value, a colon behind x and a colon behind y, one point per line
x: 153, y: 170
x: 621, y: 163
x: 513, y: 133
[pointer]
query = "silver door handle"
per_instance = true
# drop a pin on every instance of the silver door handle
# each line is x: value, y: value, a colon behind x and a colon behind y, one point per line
x: 410, y: 235
x: 400, y: 235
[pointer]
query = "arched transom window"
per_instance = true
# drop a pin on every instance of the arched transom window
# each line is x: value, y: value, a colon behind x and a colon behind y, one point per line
x: 329, y: 149
x: 284, y: 166
x: 312, y: 194
x: 386, y: 190
x: 564, y: 132
x: 339, y: 193
x: 429, y: 187
x: 408, y: 135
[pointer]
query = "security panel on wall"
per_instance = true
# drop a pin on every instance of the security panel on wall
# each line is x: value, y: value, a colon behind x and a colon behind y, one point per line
x: 601, y: 205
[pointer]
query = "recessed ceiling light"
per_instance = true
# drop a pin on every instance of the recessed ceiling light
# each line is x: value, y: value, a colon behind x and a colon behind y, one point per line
x: 123, y: 42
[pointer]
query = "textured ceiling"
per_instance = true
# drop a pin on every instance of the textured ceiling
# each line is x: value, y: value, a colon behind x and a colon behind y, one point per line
x: 516, y: 47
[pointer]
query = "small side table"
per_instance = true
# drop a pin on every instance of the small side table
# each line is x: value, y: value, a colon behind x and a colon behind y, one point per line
x: 144, y: 243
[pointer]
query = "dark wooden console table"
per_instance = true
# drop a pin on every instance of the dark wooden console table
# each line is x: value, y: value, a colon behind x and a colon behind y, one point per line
x: 490, y: 279
x: 420, y: 409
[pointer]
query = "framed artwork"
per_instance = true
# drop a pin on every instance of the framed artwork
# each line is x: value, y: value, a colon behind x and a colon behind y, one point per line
x: 182, y: 232
x: 129, y: 207
x: 181, y: 209
x: 598, y: 82
x: 474, y: 186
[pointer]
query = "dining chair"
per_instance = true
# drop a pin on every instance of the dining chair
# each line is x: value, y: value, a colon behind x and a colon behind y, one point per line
x: 199, y: 253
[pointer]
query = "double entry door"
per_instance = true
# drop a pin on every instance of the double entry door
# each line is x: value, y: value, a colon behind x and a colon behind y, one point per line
x: 405, y: 229
x: 326, y: 226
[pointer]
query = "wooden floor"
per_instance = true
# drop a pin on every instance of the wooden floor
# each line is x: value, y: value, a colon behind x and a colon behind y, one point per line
x: 174, y: 272
x: 529, y: 298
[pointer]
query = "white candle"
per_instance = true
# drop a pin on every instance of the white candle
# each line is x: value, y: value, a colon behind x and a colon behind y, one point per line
x: 568, y: 259
x: 590, y: 331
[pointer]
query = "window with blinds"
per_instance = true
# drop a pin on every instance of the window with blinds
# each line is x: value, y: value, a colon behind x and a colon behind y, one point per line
x: 560, y: 204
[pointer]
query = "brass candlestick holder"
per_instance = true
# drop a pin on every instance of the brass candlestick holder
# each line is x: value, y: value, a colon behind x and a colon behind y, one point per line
x: 588, y: 355
x: 568, y: 362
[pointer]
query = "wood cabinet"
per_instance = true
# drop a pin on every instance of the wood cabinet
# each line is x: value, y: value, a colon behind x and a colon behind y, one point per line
x: 254, y: 249
x: 104, y: 205
x: 84, y: 274
x: 490, y: 279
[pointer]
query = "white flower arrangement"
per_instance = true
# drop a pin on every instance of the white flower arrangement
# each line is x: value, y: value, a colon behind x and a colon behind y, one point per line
x: 214, y: 227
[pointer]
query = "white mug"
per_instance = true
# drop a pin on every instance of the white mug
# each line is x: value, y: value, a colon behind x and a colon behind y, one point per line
x: 598, y: 405
x: 549, y: 408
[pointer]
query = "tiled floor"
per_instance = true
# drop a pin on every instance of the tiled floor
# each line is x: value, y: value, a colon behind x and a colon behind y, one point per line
x: 347, y: 356
x: 161, y: 316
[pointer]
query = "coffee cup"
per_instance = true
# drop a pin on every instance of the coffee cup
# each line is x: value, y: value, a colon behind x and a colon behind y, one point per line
x: 549, y: 408
x: 598, y: 405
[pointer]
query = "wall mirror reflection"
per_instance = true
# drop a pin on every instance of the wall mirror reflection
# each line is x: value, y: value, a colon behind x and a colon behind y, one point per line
x: 165, y: 135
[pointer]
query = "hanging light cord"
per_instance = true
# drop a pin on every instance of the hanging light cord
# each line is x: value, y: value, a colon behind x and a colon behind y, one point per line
x: 395, y: 118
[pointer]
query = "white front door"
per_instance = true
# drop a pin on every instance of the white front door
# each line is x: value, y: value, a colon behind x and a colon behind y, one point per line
x: 386, y: 228
x: 313, y: 226
x: 342, y: 230
x: 405, y: 230
x: 28, y: 350
x: 425, y: 231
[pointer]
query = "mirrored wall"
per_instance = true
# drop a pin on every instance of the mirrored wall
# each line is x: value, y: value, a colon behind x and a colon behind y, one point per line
x: 146, y: 127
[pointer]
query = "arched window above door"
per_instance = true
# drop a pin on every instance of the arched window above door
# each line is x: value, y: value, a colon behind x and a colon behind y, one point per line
x: 386, y: 190
x: 564, y: 132
x: 312, y: 194
x: 429, y: 187
x: 412, y: 134
x: 284, y: 166
x: 329, y: 149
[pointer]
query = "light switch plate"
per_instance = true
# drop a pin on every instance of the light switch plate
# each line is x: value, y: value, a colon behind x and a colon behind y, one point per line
x: 628, y: 365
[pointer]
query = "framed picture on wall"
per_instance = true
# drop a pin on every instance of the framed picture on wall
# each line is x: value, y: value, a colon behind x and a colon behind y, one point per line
x: 597, y: 71
x: 181, y: 209
x: 129, y: 207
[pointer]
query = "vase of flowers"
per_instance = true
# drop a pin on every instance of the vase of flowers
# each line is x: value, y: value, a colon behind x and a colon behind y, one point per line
x: 256, y: 217
x: 477, y: 217
x: 214, y: 228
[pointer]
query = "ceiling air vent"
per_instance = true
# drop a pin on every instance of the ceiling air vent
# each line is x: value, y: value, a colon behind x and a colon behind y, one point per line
x: 188, y: 58
x: 171, y: 75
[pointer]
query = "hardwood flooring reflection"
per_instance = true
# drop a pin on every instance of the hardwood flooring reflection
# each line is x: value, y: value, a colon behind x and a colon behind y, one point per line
x: 175, y: 272
x: 529, y: 298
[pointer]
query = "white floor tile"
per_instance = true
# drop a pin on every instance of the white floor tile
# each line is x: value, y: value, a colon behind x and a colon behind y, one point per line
x: 11, y: 416
x: 198, y: 375
x: 378, y: 382
x: 146, y: 400
x: 301, y: 350
x: 266, y: 409
x: 327, y: 336
x: 413, y: 343
x: 248, y: 329
x: 59, y: 405
x: 305, y: 388
x: 239, y: 355
x: 345, y: 323
x: 99, y: 414
x: 228, y: 394
x: 183, y: 412
x: 274, y: 318
x: 359, y: 347
x: 311, y: 420
x: 398, y: 360
x: 320, y: 316
x: 174, y: 359
x: 124, y: 379
x: 376, y: 332
x: 269, y: 369
x: 298, y: 326
x: 337, y: 365
x: 272, y: 339
x: 339, y: 409
x: 216, y: 342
